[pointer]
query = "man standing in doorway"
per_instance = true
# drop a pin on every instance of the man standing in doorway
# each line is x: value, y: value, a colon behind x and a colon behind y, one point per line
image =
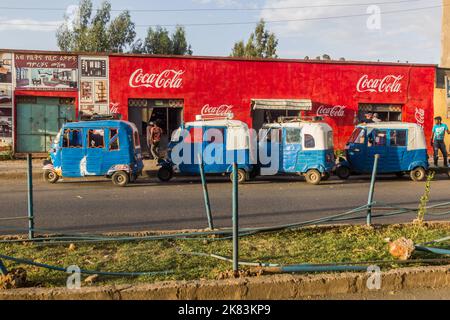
x: 437, y: 140
x: 154, y: 139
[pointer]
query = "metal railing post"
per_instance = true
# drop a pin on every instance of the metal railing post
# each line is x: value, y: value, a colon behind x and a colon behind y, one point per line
x: 205, y: 194
x: 372, y: 190
x: 30, y: 197
x: 235, y: 221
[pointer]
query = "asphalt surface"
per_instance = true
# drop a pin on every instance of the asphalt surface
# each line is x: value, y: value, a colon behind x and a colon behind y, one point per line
x: 95, y: 205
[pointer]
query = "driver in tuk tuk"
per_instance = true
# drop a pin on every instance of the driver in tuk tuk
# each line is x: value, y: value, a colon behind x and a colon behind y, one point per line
x: 437, y: 140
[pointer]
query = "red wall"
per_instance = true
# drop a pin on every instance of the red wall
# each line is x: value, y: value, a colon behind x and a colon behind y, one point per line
x: 235, y: 82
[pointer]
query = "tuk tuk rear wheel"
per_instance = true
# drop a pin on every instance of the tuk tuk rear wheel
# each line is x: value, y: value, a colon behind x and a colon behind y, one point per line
x: 120, y: 178
x: 326, y: 176
x: 313, y: 176
x: 418, y: 174
x: 165, y: 174
x: 242, y: 176
x: 343, y: 172
x: 50, y: 176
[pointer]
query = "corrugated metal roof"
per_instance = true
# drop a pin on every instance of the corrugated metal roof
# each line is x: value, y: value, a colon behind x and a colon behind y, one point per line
x: 282, y: 104
x: 337, y: 62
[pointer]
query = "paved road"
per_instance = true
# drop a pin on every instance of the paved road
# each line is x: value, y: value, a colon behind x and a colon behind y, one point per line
x: 96, y: 205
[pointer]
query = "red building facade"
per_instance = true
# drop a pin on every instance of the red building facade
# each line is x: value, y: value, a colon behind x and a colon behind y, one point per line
x: 341, y: 92
x: 41, y: 90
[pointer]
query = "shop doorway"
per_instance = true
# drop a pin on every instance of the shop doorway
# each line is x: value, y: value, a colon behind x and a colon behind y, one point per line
x: 167, y: 113
x: 271, y: 110
x: 39, y: 120
x: 386, y: 112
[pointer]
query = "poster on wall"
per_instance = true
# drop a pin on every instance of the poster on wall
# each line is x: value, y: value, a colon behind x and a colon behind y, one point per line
x: 94, y: 91
x: 6, y: 124
x: 6, y: 68
x: 46, y: 72
x: 5, y: 94
x: 86, y: 92
x: 6, y: 102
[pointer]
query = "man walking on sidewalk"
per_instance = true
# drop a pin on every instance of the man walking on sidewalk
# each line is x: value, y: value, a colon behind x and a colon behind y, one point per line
x: 437, y: 140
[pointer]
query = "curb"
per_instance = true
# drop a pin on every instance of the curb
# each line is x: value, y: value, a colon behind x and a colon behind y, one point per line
x: 280, y: 287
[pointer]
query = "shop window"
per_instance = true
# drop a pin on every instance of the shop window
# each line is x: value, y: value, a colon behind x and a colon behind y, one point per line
x: 398, y: 138
x: 309, y: 141
x: 96, y: 138
x: 377, y: 138
x: 72, y: 138
x: 293, y: 135
x: 113, y: 139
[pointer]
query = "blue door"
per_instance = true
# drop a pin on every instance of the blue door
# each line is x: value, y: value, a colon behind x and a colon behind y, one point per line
x: 72, y: 152
x: 116, y: 151
x: 398, y: 154
x: 270, y: 156
x: 357, y: 150
x: 95, y: 150
x: 291, y: 148
x: 214, y: 151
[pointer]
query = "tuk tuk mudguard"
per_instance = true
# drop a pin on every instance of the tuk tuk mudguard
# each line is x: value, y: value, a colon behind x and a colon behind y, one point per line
x: 418, y: 164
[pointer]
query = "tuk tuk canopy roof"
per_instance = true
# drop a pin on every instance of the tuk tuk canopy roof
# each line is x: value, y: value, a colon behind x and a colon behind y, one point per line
x: 318, y: 130
x: 416, y: 135
x: 282, y: 104
x: 237, y: 135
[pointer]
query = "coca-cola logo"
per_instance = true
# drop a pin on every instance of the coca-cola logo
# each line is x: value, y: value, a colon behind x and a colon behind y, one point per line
x: 389, y: 83
x: 420, y: 116
x: 223, y: 110
x: 335, y: 111
x: 168, y: 78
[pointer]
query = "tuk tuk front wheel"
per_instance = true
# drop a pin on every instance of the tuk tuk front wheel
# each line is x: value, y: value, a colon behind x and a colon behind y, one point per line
x: 343, y: 172
x: 313, y: 176
x: 165, y: 174
x: 50, y: 176
x: 120, y: 178
x: 418, y: 174
x: 242, y: 176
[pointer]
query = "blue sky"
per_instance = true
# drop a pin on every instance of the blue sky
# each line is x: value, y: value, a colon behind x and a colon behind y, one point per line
x: 412, y: 35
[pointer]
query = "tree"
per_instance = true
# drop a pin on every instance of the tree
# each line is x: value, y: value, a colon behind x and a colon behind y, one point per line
x: 179, y: 42
x: 261, y: 44
x: 159, y: 41
x: 97, y: 33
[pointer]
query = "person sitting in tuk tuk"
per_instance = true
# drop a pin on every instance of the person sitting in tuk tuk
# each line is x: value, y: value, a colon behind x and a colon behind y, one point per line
x: 437, y: 140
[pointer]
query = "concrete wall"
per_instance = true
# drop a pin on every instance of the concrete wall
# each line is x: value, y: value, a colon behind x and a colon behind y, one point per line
x: 445, y: 35
x: 440, y: 108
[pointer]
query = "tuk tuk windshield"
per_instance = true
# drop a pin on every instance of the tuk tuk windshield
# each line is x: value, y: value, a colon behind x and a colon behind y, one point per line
x: 358, y: 136
x: 176, y: 135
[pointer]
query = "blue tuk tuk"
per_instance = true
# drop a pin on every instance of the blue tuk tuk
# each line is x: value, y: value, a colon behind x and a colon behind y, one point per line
x: 108, y: 148
x: 216, y: 143
x: 402, y: 148
x: 301, y: 147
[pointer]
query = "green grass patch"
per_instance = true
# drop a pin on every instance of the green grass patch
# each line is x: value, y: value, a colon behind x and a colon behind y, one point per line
x: 309, y: 245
